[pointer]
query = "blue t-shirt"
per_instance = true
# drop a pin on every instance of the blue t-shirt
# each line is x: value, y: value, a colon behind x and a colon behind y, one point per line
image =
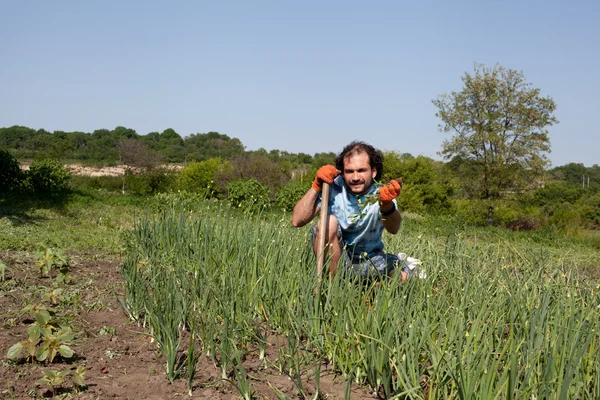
x: 361, y: 225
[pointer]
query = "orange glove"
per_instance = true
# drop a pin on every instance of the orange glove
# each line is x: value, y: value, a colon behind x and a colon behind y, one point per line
x: 389, y: 192
x: 326, y: 173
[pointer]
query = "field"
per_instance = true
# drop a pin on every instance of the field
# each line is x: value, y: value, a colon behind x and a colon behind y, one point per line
x: 170, y: 294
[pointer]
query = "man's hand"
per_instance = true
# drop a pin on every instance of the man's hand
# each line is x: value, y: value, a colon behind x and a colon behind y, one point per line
x: 389, y: 192
x: 327, y: 174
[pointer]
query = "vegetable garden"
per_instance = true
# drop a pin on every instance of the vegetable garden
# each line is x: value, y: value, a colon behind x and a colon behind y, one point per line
x: 493, y: 318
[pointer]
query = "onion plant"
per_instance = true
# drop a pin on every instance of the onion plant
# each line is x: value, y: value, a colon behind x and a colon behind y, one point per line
x: 495, y: 318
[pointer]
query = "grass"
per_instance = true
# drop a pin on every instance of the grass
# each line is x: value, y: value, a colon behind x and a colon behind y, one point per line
x: 501, y: 314
x: 90, y: 221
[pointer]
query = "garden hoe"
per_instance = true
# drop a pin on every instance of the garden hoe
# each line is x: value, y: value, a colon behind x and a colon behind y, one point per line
x: 322, y: 229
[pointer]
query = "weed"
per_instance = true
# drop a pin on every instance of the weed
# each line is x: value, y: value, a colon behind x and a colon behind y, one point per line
x: 49, y: 259
x: 45, y: 340
x: 53, y: 379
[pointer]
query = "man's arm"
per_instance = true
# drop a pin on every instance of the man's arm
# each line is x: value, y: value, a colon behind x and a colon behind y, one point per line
x: 390, y: 216
x: 391, y: 222
x: 305, y: 209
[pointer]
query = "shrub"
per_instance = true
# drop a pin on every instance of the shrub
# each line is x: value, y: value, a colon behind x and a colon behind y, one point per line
x: 249, y: 195
x: 199, y: 177
x: 564, y: 217
x: 590, y: 211
x: 472, y: 212
x: 259, y: 167
x: 48, y: 177
x: 11, y: 175
x: 288, y: 196
x: 425, y: 198
x: 148, y: 182
x: 161, y: 179
x: 556, y: 193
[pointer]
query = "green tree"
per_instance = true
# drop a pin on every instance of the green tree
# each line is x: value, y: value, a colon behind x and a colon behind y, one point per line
x: 15, y: 136
x: 202, y: 146
x: 499, y: 130
x: 423, y: 189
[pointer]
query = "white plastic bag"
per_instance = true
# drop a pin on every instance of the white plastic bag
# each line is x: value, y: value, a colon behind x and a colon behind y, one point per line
x: 413, y: 265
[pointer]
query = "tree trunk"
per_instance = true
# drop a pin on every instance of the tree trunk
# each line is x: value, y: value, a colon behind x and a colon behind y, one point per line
x: 490, y: 216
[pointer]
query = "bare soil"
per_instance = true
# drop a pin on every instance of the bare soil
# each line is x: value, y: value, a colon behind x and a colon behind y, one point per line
x: 117, y: 170
x: 124, y: 363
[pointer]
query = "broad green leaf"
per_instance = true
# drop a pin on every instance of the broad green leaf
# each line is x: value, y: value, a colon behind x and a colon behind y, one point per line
x: 30, y: 346
x: 65, y: 351
x: 34, y: 332
x: 41, y: 354
x: 78, y: 376
x: 66, y: 336
x: 51, y: 354
x: 46, y: 332
x: 42, y: 318
x: 14, y: 351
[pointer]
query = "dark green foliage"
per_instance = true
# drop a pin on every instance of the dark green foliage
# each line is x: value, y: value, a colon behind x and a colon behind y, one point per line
x: 48, y: 177
x: 509, y: 214
x: 424, y: 189
x: 289, y: 195
x: 563, y: 217
x: 578, y: 175
x: 321, y: 159
x: 557, y: 192
x: 590, y: 211
x: 11, y: 176
x: 249, y: 195
x: 202, y: 146
x: 157, y: 180
x: 171, y: 145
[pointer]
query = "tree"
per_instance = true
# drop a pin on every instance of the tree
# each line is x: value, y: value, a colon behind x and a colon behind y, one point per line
x: 135, y: 154
x: 202, y: 146
x: 499, y: 127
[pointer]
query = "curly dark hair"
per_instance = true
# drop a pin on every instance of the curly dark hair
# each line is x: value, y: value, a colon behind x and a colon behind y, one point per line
x: 356, y: 147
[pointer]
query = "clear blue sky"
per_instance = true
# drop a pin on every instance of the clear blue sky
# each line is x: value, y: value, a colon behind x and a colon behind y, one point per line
x: 303, y: 76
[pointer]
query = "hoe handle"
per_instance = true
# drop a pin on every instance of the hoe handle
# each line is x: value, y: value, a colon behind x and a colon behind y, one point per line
x: 322, y: 229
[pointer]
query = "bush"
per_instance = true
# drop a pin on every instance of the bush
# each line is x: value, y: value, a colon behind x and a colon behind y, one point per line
x: 565, y: 218
x: 199, y: 177
x: 425, y: 198
x: 556, y: 193
x: 590, y: 211
x: 48, y: 177
x: 11, y: 176
x: 472, y: 212
x: 258, y: 167
x: 249, y: 195
x: 288, y: 196
x: 157, y: 180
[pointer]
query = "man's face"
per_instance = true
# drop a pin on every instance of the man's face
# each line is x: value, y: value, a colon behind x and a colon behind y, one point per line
x: 358, y: 173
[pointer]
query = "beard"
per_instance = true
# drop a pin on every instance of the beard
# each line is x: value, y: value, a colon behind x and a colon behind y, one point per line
x: 359, y: 187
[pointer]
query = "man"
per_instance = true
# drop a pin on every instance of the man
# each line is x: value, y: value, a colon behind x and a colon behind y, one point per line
x: 355, y: 224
